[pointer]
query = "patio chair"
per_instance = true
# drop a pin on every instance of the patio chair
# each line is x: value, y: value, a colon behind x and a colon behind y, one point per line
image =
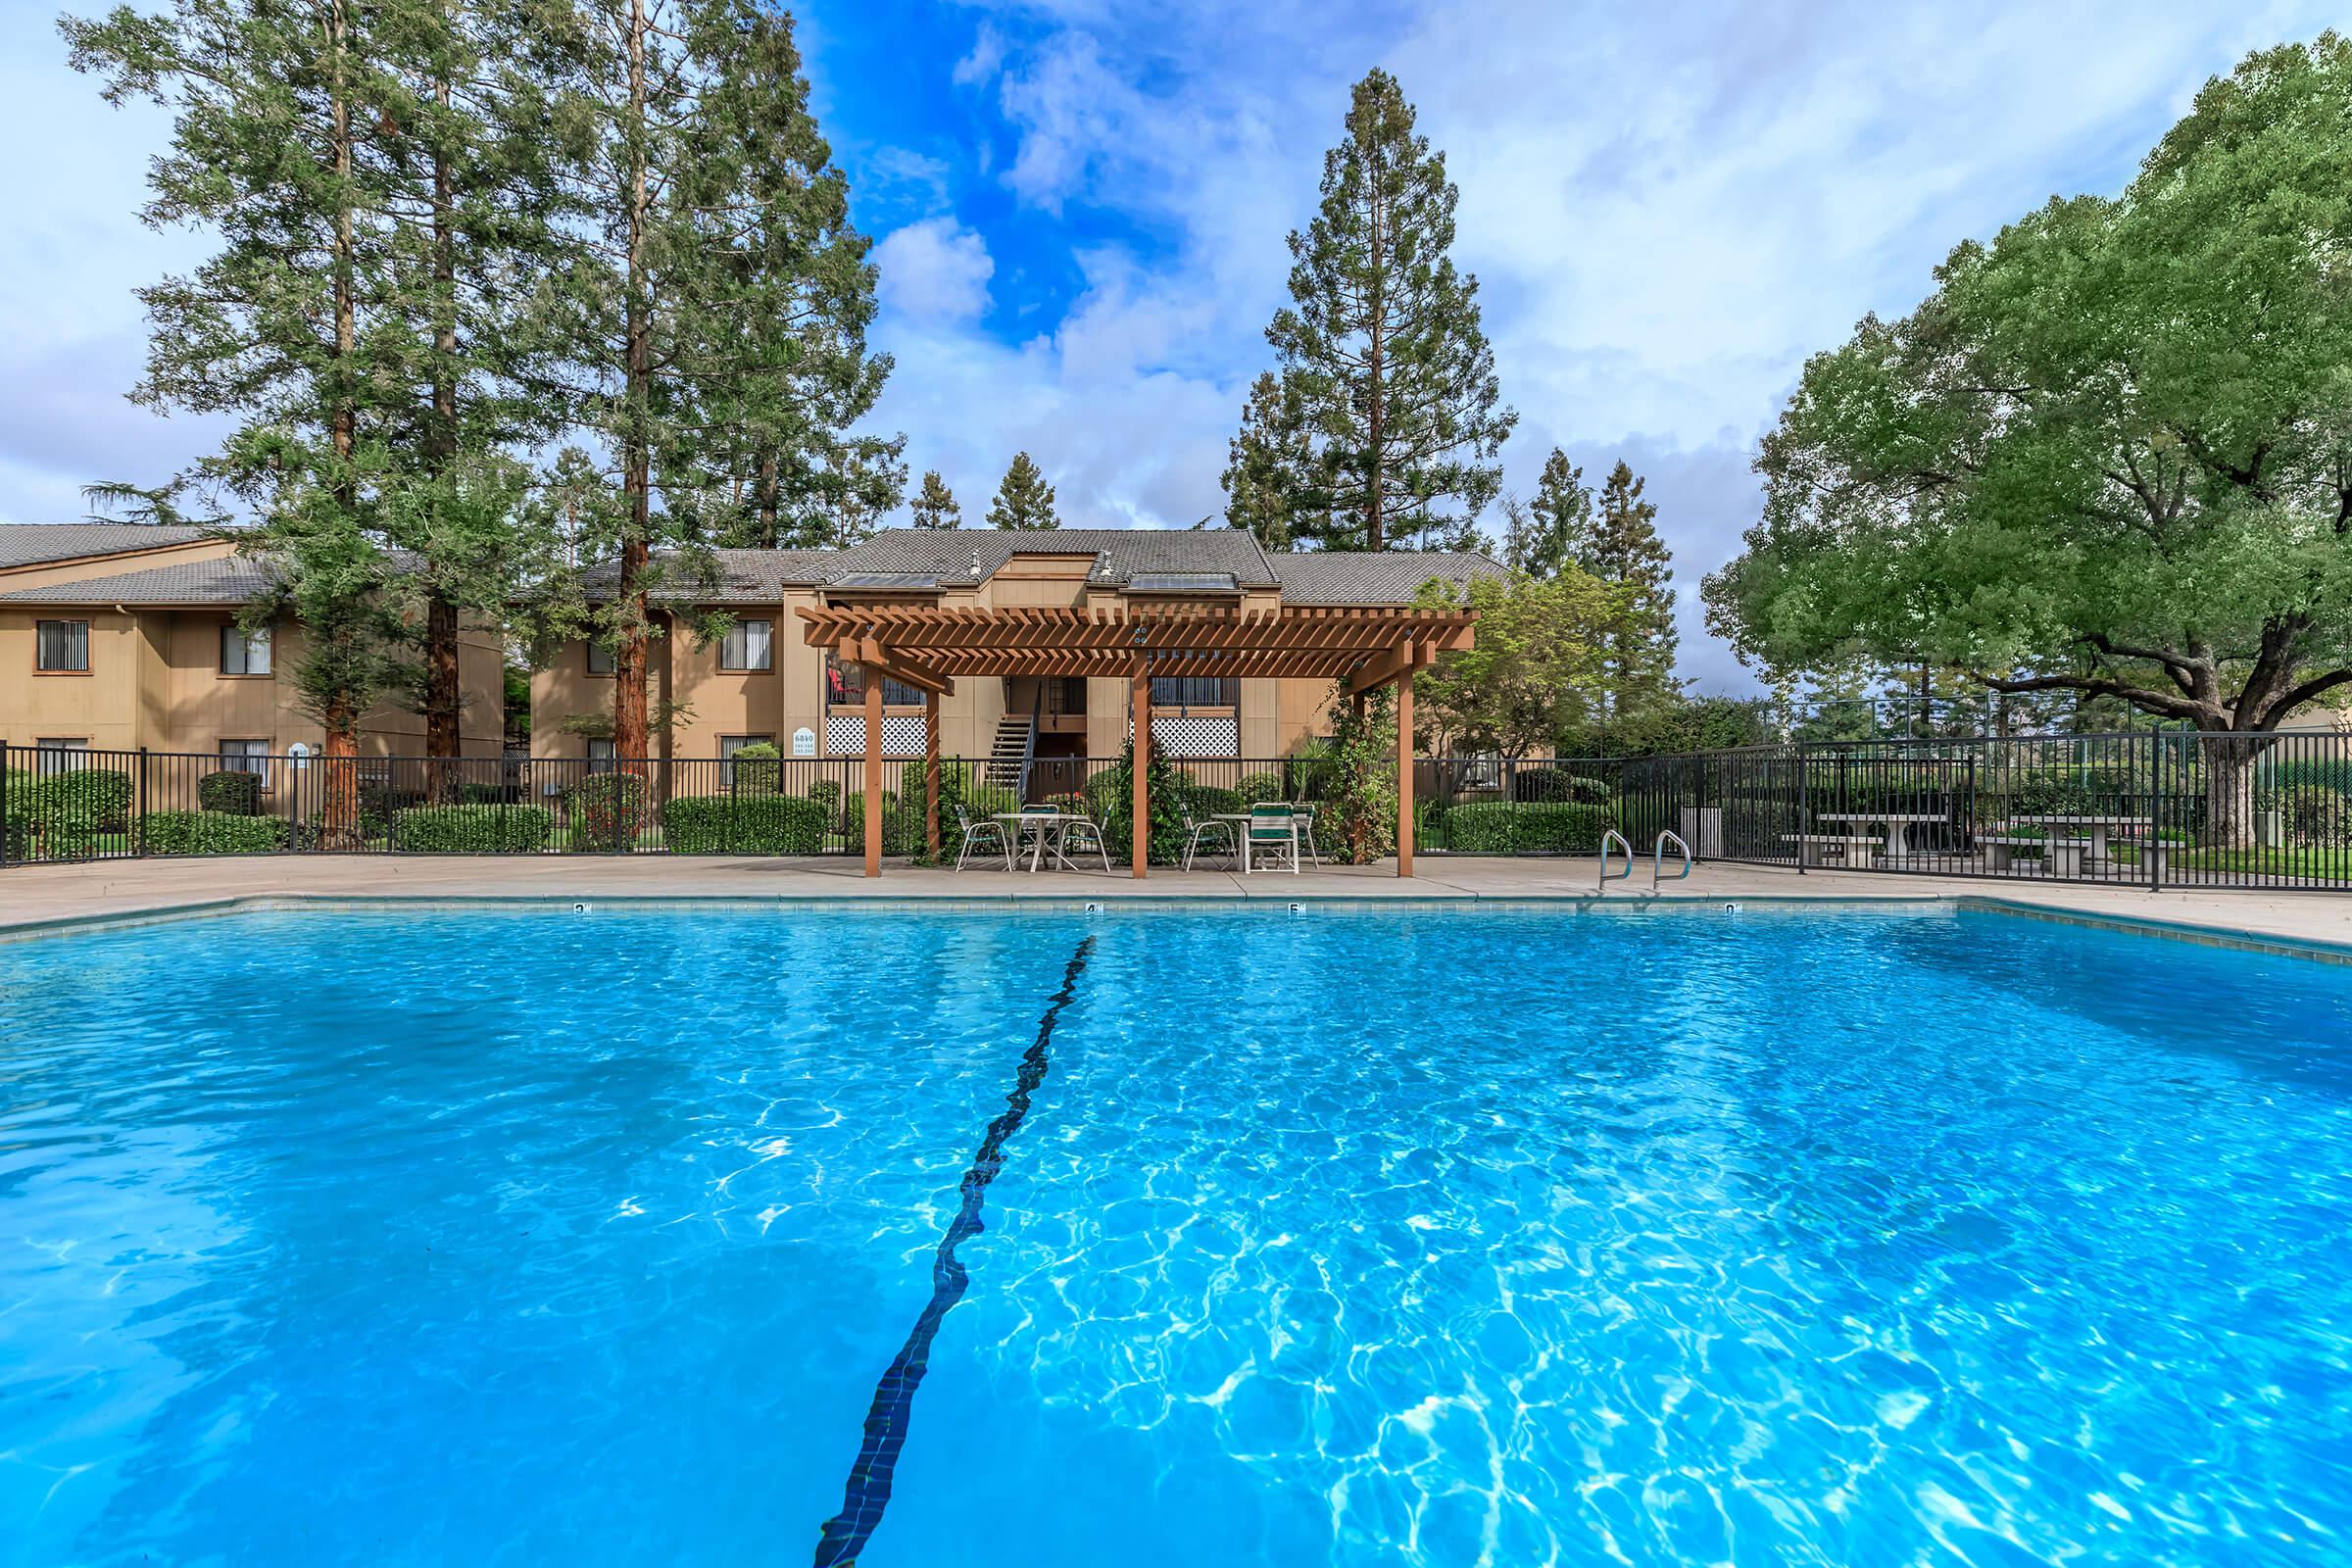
x: 1305, y: 810
x: 976, y: 835
x: 1273, y: 830
x: 1197, y: 828
x: 1089, y: 836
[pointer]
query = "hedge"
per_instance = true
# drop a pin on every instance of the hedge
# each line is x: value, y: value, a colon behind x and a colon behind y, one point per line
x: 606, y: 811
x: 744, y: 824
x: 758, y: 769
x: 232, y: 791
x: 95, y: 797
x: 473, y: 829
x: 1545, y: 785
x: 211, y: 833
x: 1499, y: 827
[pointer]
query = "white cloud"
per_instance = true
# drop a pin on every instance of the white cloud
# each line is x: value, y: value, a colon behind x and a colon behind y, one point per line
x: 936, y: 270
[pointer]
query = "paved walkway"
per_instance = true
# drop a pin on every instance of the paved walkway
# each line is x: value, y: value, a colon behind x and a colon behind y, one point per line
x: 42, y: 894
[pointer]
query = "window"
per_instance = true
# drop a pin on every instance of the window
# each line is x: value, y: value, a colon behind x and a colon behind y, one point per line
x: 59, y: 755
x: 244, y: 652
x: 845, y: 687
x: 64, y: 647
x: 600, y: 659
x: 728, y: 746
x: 748, y: 646
x: 245, y: 757
x: 599, y: 757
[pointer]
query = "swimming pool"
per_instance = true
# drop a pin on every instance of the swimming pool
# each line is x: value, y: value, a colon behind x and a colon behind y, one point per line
x: 1426, y: 1237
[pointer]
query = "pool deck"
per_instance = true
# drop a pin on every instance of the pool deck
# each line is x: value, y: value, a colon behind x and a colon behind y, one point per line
x: 38, y: 896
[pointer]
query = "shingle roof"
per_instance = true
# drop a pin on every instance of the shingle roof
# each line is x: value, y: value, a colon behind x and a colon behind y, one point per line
x: 1376, y: 578
x: 745, y: 577
x: 226, y: 581
x: 1120, y: 553
x: 30, y: 544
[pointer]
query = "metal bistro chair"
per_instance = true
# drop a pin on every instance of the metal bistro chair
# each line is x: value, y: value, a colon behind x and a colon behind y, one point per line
x: 1273, y: 830
x: 1197, y: 828
x: 1075, y: 820
x: 1305, y: 810
x: 976, y: 835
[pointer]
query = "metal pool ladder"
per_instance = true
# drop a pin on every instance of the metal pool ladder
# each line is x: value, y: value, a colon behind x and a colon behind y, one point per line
x: 1657, y: 858
x: 1612, y: 836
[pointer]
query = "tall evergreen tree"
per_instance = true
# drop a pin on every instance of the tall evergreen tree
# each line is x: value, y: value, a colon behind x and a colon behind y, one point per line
x: 1267, y: 459
x: 1555, y: 530
x: 1380, y: 349
x: 284, y: 144
x: 1023, y: 500
x: 1623, y: 548
x: 934, y: 506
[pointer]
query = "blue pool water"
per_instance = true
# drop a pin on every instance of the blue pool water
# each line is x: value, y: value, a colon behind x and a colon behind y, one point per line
x: 1437, y: 1237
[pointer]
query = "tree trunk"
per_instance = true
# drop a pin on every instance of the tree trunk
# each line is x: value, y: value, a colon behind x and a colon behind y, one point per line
x: 2230, y: 787
x: 443, y: 698
x: 339, y: 824
x: 629, y: 716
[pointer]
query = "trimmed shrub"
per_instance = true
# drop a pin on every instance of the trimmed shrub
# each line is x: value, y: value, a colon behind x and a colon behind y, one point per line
x: 606, y: 811
x: 93, y: 798
x: 1257, y: 787
x: 230, y: 791
x: 211, y: 833
x: 827, y: 792
x: 1547, y: 784
x: 473, y: 829
x: 744, y: 824
x: 759, y: 769
x: 1500, y: 828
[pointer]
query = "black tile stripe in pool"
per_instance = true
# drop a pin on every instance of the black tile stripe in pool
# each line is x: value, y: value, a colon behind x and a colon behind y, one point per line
x: 868, y: 1490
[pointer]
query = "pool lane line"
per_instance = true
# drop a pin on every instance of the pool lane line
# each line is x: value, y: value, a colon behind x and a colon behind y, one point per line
x: 867, y: 1493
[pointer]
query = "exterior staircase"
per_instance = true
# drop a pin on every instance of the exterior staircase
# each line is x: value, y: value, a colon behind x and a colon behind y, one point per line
x: 1009, y: 759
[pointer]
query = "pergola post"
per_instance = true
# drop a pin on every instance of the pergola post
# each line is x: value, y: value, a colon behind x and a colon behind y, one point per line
x: 1404, y: 772
x: 874, y: 771
x: 1139, y: 703
x: 931, y: 774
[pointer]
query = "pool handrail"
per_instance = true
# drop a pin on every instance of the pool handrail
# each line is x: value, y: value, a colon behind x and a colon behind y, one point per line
x: 1612, y: 836
x: 1657, y: 858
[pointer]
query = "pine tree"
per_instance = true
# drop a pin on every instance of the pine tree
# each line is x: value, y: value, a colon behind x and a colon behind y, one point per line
x: 1623, y: 548
x: 1024, y: 500
x: 1266, y: 459
x: 1555, y: 530
x: 286, y: 146
x: 934, y: 506
x: 1382, y: 351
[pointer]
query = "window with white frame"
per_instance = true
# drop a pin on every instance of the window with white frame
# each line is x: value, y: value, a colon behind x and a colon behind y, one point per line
x: 62, y: 647
x: 59, y: 756
x: 599, y: 757
x: 749, y: 645
x: 728, y: 746
x: 244, y: 652
x: 245, y: 757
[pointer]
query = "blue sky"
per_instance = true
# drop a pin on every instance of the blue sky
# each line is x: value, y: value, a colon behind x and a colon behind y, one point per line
x: 1080, y: 207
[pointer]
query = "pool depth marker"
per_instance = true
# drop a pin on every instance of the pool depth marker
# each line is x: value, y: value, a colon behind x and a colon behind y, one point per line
x: 868, y: 1490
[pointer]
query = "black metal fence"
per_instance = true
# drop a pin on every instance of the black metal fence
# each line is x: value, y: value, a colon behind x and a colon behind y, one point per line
x: 2157, y: 810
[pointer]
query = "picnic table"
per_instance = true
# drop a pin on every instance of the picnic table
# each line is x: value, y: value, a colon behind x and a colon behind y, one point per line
x: 2094, y: 828
x: 1898, y: 825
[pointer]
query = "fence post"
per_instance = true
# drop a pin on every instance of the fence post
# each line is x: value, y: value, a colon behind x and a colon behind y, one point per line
x: 5, y: 834
x: 138, y: 825
x: 2153, y: 851
x: 1805, y: 802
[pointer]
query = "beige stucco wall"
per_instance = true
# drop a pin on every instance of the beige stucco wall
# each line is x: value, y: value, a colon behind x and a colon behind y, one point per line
x: 155, y: 680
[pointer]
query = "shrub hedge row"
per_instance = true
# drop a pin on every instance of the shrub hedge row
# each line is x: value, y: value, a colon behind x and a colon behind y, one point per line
x: 1496, y: 827
x: 211, y: 833
x: 473, y: 829
x: 743, y: 824
x: 232, y: 790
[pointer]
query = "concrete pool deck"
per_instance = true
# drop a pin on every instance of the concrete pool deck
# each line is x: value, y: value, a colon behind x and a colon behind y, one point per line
x: 39, y: 896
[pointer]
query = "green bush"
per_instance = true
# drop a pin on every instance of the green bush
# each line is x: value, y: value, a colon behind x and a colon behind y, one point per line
x: 827, y: 792
x: 759, y: 769
x: 606, y: 811
x: 1500, y: 828
x: 1549, y: 784
x: 230, y: 791
x: 1257, y: 787
x: 473, y: 829
x: 744, y: 824
x: 211, y: 833
x: 95, y: 799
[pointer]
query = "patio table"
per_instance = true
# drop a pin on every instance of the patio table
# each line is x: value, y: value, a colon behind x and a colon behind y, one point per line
x: 1899, y: 825
x: 1047, y: 823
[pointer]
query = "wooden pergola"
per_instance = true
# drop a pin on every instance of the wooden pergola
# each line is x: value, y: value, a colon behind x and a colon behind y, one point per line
x: 930, y: 647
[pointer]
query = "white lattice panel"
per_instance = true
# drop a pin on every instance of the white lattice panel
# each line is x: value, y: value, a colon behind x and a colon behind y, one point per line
x: 901, y: 735
x: 1194, y: 735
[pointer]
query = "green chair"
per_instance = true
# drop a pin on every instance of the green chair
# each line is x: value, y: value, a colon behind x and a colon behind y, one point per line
x: 1273, y: 830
